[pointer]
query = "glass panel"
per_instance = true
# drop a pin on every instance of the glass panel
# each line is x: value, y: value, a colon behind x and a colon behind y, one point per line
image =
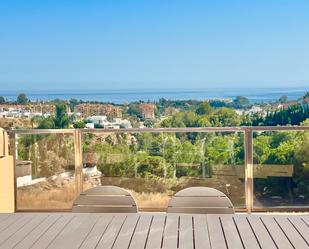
x: 281, y: 169
x: 153, y: 166
x: 45, y: 171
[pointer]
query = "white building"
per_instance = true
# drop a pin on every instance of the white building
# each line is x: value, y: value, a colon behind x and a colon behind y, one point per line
x: 26, y: 114
x: 89, y: 125
x: 254, y: 109
x: 124, y: 123
x: 98, y: 120
x: 101, y: 121
x: 14, y: 114
x: 3, y: 114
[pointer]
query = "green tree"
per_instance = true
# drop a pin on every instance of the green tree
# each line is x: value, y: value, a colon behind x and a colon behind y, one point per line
x: 204, y: 109
x: 189, y: 118
x: 133, y: 110
x: 305, y: 122
x: 202, y: 121
x: 79, y: 124
x: 177, y: 120
x: 302, y: 166
x: 35, y: 121
x: 241, y: 102
x: 294, y: 115
x: 261, y: 150
x: 306, y: 95
x: 73, y: 103
x: 134, y: 121
x: 2, y: 100
x: 283, y: 99
x: 61, y: 117
x: 46, y: 123
x: 22, y: 99
x: 166, y: 123
x: 149, y: 123
x: 224, y: 117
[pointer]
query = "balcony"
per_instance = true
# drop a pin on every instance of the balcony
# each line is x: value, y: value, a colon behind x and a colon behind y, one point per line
x: 256, y: 167
x: 260, y: 169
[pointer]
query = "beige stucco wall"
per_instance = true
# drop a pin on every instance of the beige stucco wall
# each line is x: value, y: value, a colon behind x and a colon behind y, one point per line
x: 6, y: 184
x: 6, y: 176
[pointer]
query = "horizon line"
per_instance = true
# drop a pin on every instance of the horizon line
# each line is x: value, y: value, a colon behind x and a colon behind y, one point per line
x: 154, y: 89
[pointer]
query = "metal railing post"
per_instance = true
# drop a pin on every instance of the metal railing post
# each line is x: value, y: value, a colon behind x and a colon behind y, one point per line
x: 248, y: 143
x: 78, y: 161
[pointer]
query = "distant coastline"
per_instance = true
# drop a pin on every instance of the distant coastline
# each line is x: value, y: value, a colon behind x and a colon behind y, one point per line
x: 255, y: 95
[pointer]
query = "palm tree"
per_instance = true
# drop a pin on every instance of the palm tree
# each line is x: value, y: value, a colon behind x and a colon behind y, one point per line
x: 61, y: 117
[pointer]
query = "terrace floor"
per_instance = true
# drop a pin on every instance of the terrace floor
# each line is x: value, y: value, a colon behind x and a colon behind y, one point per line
x: 152, y: 230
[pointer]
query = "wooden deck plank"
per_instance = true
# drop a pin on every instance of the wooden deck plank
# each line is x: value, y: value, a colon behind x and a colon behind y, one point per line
x: 294, y: 237
x: 109, y: 237
x: 97, y: 232
x: 141, y: 232
x: 75, y: 232
x: 13, y: 228
x: 247, y: 236
x: 126, y: 232
x: 201, y: 233
x: 155, y: 236
x: 186, y: 232
x: 301, y: 227
x: 276, y: 233
x: 170, y: 235
x: 152, y: 231
x: 306, y: 220
x: 216, y: 236
x: 36, y: 233
x: 231, y: 234
x: 8, y: 221
x: 261, y: 233
x: 3, y: 217
x: 24, y: 231
x: 52, y: 232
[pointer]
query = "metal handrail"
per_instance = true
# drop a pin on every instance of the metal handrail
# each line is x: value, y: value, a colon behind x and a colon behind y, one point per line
x: 77, y: 133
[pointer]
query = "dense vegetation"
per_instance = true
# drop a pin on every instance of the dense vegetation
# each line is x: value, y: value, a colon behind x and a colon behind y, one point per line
x: 213, y: 159
x: 293, y: 115
x: 166, y: 159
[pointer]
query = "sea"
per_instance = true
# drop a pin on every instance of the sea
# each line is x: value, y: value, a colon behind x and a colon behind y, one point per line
x: 255, y: 95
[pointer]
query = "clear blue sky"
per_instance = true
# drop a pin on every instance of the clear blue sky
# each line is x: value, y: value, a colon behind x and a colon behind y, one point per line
x: 116, y: 44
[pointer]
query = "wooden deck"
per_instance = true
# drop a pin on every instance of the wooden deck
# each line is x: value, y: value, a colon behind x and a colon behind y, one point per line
x: 170, y: 231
